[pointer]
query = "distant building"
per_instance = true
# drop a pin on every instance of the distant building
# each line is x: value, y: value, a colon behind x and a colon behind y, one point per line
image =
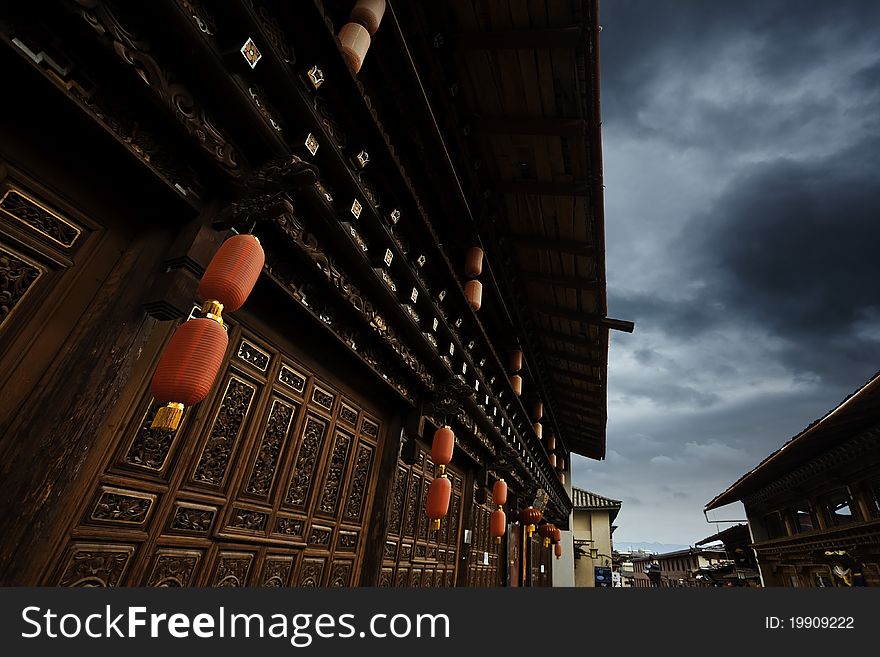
x: 591, y: 524
x: 813, y: 506
x: 676, y: 569
x: 740, y: 567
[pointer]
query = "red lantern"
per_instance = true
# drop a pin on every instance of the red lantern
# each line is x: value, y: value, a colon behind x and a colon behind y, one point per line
x: 515, y: 360
x: 354, y: 40
x: 499, y: 492
x: 561, y: 465
x: 473, y: 292
x: 557, y: 535
x: 498, y: 524
x: 558, y: 550
x: 552, y: 458
x: 529, y: 517
x: 551, y: 442
x: 516, y: 384
x: 442, y: 447
x: 562, y: 478
x: 546, y: 532
x: 232, y: 274
x: 187, y: 369
x: 437, y: 504
x: 539, y: 430
x: 539, y: 410
x: 473, y: 265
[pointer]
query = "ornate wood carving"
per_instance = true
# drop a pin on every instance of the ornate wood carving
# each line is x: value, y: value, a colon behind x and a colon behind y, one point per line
x: 360, y: 480
x: 214, y: 461
x: 292, y: 379
x: 299, y: 491
x: 17, y: 277
x: 386, y: 577
x: 402, y: 578
x: 329, y: 502
x: 346, y: 541
x: 311, y: 572
x: 192, y: 519
x: 277, y: 571
x: 173, y: 568
x: 412, y: 507
x: 340, y: 574
x: 134, y: 51
x: 263, y: 471
x: 39, y: 218
x: 150, y: 447
x: 232, y: 569
x: 290, y: 527
x: 320, y: 536
x: 91, y: 565
x: 322, y: 398
x: 348, y: 414
x: 249, y: 520
x: 398, y: 500
x: 253, y: 355
x: 124, y: 117
x: 121, y: 506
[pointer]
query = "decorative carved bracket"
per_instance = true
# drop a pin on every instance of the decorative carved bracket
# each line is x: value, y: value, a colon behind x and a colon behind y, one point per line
x: 449, y: 398
x: 265, y: 195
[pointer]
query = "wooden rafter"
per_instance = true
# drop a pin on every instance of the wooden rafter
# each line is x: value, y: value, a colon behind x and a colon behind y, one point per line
x: 552, y: 243
x: 558, y: 37
x: 587, y: 318
x: 574, y: 282
x: 568, y: 357
x: 543, y: 187
x: 570, y: 339
x: 530, y: 125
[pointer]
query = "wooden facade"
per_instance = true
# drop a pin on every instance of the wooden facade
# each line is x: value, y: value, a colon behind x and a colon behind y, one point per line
x: 813, y: 506
x: 135, y: 138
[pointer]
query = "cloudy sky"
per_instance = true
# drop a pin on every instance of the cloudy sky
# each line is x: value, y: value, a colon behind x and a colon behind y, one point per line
x: 742, y: 171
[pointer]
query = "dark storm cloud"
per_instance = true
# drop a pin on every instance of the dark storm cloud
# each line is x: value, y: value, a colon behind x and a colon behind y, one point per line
x: 742, y: 153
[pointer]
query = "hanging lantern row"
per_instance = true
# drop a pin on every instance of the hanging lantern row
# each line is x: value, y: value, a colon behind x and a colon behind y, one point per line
x: 539, y: 430
x: 473, y: 267
x: 355, y: 37
x: 191, y: 361
x: 498, y: 519
x: 529, y: 517
x: 440, y: 490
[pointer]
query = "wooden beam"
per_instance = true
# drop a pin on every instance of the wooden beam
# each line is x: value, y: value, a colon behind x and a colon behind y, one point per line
x: 574, y: 282
x: 552, y: 243
x: 530, y: 125
x: 568, y: 357
x: 559, y: 37
x: 577, y: 376
x: 587, y: 318
x: 577, y: 340
x: 577, y: 395
x: 543, y: 187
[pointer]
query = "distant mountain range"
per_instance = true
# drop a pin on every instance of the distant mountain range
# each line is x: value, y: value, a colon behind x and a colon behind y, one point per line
x: 657, y: 548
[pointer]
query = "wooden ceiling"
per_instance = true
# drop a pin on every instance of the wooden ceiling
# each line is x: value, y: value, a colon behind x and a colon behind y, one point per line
x: 528, y: 74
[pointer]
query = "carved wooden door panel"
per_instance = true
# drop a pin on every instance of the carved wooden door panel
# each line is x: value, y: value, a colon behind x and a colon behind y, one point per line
x: 540, y: 560
x: 413, y: 554
x: 267, y: 483
x: 485, y: 559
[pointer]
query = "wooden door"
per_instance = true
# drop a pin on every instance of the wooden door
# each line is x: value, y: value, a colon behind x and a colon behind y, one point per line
x: 268, y: 482
x: 414, y: 555
x: 485, y: 559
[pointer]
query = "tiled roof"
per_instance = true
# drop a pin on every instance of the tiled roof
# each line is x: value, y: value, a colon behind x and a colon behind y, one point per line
x: 584, y: 499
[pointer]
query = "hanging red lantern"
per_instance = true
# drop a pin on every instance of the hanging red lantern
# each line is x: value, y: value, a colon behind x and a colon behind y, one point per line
x: 473, y: 264
x: 552, y: 458
x: 442, y: 447
x: 232, y: 274
x: 369, y: 14
x: 354, y: 39
x: 539, y: 430
x: 538, y: 412
x: 561, y: 465
x: 529, y: 517
x: 557, y: 535
x: 499, y: 492
x: 551, y: 442
x: 473, y: 292
x: 498, y: 524
x: 516, y: 384
x: 437, y: 504
x: 187, y: 369
x: 546, y: 532
x: 516, y: 360
x: 562, y: 478
x: 558, y: 550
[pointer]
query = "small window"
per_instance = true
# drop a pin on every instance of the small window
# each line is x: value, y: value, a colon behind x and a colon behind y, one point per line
x: 839, y: 509
x: 803, y: 519
x: 773, y: 525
